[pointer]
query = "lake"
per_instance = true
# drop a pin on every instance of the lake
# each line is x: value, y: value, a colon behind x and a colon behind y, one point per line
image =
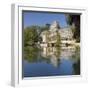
x: 51, y: 61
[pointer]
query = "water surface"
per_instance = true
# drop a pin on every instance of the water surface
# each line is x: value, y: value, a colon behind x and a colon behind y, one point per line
x: 51, y: 61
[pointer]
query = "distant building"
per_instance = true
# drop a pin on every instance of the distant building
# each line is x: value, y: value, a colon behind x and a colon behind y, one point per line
x: 49, y: 37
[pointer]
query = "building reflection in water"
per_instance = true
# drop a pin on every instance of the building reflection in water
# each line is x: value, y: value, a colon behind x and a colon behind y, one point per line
x: 53, y: 55
x: 56, y: 54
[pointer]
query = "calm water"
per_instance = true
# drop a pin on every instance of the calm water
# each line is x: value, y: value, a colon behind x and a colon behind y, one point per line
x: 51, y: 61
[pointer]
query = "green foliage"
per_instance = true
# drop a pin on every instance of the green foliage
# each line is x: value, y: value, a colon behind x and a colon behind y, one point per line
x: 44, y: 28
x: 58, y: 38
x: 31, y: 53
x: 30, y: 36
x: 75, y: 19
x: 76, y: 67
x: 69, y: 19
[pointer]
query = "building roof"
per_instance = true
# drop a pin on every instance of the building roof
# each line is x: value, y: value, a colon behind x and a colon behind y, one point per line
x: 54, y: 26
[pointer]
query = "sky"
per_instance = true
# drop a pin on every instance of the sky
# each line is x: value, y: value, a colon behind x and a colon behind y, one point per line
x: 41, y: 18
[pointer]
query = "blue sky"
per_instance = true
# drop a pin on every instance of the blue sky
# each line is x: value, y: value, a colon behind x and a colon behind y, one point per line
x: 40, y: 18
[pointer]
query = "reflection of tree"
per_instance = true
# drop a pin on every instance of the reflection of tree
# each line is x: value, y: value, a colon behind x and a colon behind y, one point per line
x: 76, y: 58
x: 45, y: 59
x: 76, y: 67
x: 58, y: 52
x: 31, y: 53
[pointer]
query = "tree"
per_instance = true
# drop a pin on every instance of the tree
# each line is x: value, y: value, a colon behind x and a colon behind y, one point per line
x: 74, y: 20
x: 45, y: 28
x: 58, y: 38
x: 30, y: 35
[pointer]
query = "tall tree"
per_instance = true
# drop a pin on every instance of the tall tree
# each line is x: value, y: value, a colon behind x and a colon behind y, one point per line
x: 30, y: 35
x: 74, y: 20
